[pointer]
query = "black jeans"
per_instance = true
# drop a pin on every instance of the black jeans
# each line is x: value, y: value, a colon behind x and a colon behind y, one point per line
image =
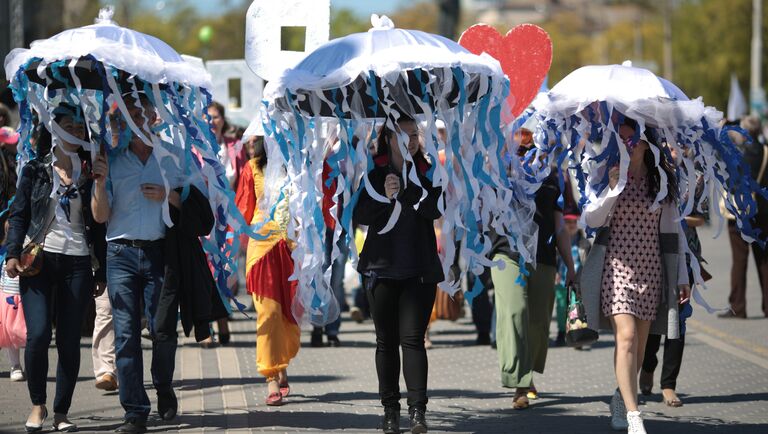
x: 673, y: 358
x: 69, y: 281
x: 400, y: 311
x: 482, y: 309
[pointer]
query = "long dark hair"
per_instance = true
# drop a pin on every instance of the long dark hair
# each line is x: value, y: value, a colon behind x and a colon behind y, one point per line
x: 44, y: 140
x: 260, y: 153
x: 382, y: 140
x: 665, y: 163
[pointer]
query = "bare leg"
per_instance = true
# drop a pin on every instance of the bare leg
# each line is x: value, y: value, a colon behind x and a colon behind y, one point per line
x: 643, y: 328
x: 273, y: 385
x: 625, y: 357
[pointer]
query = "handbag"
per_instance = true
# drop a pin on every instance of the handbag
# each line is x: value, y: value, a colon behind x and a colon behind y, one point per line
x: 447, y: 307
x: 13, y: 327
x: 31, y: 259
x: 577, y: 330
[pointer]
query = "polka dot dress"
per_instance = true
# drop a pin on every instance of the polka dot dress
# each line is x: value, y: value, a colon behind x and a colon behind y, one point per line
x: 631, y: 281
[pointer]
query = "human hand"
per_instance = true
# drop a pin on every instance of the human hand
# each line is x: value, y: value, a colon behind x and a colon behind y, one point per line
x: 13, y: 268
x: 685, y: 293
x: 391, y: 186
x: 613, y: 176
x: 98, y: 288
x: 174, y: 198
x: 570, y: 276
x: 100, y: 169
x: 153, y: 192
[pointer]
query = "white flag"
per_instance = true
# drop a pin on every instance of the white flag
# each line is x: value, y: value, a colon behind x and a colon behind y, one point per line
x: 737, y: 104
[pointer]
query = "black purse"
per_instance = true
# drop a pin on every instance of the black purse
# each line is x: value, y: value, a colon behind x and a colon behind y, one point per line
x: 577, y: 330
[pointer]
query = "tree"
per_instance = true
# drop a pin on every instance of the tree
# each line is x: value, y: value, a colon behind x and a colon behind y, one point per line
x: 421, y: 15
x: 707, y: 44
x: 345, y: 22
x: 571, y: 44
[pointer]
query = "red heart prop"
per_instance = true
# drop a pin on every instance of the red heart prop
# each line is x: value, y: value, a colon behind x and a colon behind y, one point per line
x: 525, y: 55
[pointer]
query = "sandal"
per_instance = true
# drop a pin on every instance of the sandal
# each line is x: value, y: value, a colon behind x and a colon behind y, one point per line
x: 275, y: 399
x: 520, y: 401
x: 285, y: 389
x: 674, y: 402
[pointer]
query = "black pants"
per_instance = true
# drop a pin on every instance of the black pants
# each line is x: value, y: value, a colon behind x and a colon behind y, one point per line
x: 68, y: 280
x: 482, y: 309
x: 673, y: 358
x: 400, y: 311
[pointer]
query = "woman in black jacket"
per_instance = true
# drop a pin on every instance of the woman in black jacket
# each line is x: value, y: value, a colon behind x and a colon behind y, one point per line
x: 400, y: 269
x: 63, y: 223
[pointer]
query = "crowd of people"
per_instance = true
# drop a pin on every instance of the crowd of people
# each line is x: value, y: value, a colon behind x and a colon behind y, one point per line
x: 93, y: 248
x: 106, y: 248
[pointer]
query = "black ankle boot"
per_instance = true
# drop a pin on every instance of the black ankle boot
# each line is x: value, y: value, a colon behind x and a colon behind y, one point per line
x: 418, y: 420
x: 391, y: 423
x: 167, y: 404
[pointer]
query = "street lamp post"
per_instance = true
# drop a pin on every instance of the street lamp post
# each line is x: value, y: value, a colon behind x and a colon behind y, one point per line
x: 757, y: 93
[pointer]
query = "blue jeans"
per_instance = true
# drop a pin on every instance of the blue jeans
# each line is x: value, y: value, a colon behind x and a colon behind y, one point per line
x: 337, y: 277
x: 68, y: 280
x: 135, y: 275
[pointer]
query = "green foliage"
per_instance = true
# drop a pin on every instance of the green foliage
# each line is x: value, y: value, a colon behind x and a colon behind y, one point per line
x: 571, y: 45
x: 345, y: 22
x: 710, y: 40
x: 420, y: 15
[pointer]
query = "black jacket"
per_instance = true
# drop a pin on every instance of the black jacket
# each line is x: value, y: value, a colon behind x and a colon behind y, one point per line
x: 188, y: 283
x: 409, y: 250
x: 30, y: 214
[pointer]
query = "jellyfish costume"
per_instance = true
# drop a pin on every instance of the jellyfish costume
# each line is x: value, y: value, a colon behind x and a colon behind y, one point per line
x: 328, y: 110
x: 94, y: 69
x: 578, y: 121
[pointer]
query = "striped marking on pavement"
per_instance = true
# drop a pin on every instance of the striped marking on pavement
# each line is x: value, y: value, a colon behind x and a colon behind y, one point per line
x: 233, y: 395
x: 745, y: 350
x: 191, y: 400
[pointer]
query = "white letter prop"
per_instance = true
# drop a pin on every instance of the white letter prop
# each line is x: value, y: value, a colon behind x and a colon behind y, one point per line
x: 263, y: 27
x: 251, y: 88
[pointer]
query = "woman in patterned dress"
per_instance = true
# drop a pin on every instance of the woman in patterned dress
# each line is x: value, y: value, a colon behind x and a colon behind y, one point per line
x: 632, y: 277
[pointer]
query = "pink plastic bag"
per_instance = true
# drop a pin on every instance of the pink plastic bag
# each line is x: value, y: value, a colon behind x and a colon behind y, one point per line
x: 13, y: 328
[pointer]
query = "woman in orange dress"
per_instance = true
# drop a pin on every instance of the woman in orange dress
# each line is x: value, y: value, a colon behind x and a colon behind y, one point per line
x: 268, y: 267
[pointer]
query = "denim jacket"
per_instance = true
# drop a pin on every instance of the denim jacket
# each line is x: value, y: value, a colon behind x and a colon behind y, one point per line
x: 31, y: 213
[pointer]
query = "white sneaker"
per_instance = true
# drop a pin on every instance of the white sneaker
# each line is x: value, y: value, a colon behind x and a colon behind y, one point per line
x: 17, y: 374
x: 618, y: 412
x: 635, y: 422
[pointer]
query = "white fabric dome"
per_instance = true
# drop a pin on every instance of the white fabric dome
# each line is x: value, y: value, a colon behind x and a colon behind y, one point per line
x: 384, y: 50
x: 146, y: 56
